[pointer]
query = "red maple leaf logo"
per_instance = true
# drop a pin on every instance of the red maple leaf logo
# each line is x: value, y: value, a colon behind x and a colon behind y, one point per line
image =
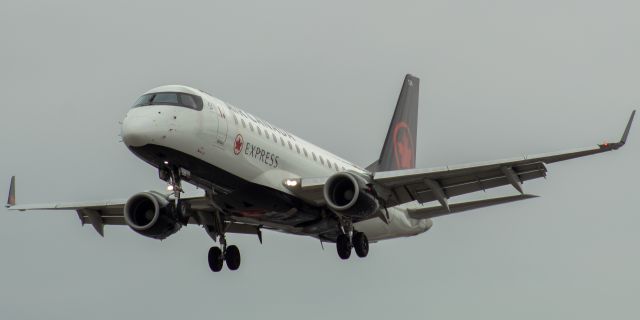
x: 403, y: 146
x: 237, y: 145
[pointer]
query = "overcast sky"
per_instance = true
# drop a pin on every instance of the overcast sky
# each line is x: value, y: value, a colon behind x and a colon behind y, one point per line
x: 499, y: 79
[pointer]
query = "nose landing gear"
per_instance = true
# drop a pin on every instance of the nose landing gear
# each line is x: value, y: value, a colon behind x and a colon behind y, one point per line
x: 217, y: 256
x: 173, y: 176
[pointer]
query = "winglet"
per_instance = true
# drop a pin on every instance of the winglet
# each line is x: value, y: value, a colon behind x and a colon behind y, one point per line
x: 11, y: 201
x: 626, y: 130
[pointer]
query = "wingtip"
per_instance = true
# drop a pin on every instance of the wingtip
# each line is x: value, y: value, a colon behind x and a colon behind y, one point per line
x: 11, y: 200
x: 625, y: 135
x: 410, y: 76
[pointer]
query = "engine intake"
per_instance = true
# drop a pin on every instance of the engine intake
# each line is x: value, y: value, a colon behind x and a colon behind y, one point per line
x: 151, y: 215
x: 348, y: 194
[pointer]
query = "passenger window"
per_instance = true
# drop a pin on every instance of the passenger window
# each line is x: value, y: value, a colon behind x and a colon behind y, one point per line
x: 259, y: 131
x: 329, y: 163
x: 314, y: 156
x: 251, y: 126
x: 298, y: 148
x: 235, y: 118
x: 266, y: 133
x: 290, y: 147
x: 305, y: 152
x: 282, y: 141
x: 321, y: 160
x: 273, y: 135
x: 244, y: 125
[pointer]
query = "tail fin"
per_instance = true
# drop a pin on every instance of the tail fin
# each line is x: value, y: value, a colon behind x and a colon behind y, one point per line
x: 399, y: 150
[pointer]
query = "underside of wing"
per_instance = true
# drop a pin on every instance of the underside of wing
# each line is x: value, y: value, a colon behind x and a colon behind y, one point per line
x: 111, y: 212
x: 425, y: 185
x: 443, y: 183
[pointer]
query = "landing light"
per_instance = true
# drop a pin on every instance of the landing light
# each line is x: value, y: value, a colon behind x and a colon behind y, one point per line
x: 169, y: 188
x: 291, y: 182
x: 166, y: 162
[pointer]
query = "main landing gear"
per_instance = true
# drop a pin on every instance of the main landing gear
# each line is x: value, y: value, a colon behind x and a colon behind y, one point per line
x: 218, y: 256
x: 357, y: 241
x: 230, y: 254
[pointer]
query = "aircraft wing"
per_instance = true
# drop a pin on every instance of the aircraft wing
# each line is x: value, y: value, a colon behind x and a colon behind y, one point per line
x: 98, y: 214
x: 111, y: 212
x: 425, y: 185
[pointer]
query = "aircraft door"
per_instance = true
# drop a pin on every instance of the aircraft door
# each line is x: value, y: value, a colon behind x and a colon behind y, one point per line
x: 211, y: 122
x: 222, y: 124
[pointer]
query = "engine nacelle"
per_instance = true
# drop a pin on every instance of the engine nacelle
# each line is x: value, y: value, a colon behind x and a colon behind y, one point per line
x: 348, y: 194
x: 151, y: 215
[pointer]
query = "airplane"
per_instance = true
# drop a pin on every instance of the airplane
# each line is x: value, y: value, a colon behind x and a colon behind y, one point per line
x: 256, y: 176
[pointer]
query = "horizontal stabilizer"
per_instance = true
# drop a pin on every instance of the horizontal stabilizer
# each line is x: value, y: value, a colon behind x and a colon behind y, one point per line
x: 432, y: 212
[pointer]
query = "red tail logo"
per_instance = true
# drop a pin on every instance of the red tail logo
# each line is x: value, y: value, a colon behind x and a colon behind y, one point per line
x: 403, y: 148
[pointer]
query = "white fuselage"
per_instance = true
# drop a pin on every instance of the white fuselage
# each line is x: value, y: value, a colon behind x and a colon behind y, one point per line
x: 249, y: 148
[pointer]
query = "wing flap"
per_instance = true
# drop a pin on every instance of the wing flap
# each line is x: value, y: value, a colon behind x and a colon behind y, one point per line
x: 106, y: 219
x: 432, y: 212
x: 459, y: 184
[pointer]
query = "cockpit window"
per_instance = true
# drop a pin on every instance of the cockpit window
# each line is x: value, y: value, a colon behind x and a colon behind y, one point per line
x: 170, y: 98
x: 143, y: 101
x: 188, y: 101
x: 165, y: 98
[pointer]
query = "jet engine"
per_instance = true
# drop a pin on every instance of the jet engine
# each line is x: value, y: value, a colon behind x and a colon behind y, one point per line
x: 152, y: 215
x: 348, y: 193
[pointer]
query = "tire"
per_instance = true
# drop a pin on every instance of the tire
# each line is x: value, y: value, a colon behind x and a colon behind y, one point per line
x: 361, y: 244
x: 232, y: 257
x: 343, y: 246
x: 215, y: 259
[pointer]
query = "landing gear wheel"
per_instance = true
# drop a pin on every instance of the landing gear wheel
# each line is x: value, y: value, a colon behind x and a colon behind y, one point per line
x: 361, y: 244
x: 215, y: 259
x: 232, y: 256
x: 343, y: 245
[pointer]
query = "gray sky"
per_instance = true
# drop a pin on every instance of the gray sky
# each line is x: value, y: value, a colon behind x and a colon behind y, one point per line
x: 499, y: 79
